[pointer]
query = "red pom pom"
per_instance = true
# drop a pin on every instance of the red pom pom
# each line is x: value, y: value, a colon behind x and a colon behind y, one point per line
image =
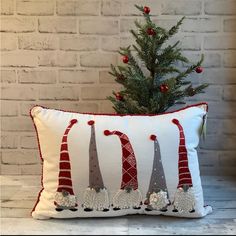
x: 146, y: 202
x: 73, y: 121
x: 153, y: 137
x: 146, y: 10
x: 125, y: 59
x: 175, y: 121
x: 164, y: 88
x: 199, y: 70
x: 91, y: 122
x: 151, y: 31
x: 107, y: 132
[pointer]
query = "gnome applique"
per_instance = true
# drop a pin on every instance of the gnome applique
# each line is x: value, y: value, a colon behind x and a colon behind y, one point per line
x: 129, y: 195
x: 65, y: 198
x: 184, y: 199
x: 96, y: 195
x: 157, y: 197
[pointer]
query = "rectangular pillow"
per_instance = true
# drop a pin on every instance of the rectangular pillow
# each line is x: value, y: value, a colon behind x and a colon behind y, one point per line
x: 102, y: 165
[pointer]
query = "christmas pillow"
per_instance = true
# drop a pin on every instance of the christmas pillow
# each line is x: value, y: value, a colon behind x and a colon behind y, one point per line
x: 98, y: 165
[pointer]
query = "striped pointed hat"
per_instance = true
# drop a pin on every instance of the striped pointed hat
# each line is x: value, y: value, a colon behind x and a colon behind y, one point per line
x: 64, y: 180
x: 184, y: 173
x: 129, y: 166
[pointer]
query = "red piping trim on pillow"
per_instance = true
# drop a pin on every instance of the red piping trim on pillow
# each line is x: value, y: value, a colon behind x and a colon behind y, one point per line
x: 107, y: 114
x: 41, y: 157
x: 111, y: 114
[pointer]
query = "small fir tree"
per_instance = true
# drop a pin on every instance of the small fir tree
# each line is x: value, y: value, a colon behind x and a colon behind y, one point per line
x: 165, y: 85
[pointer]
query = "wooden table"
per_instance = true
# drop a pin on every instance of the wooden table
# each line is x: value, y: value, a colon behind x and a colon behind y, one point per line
x: 19, y: 193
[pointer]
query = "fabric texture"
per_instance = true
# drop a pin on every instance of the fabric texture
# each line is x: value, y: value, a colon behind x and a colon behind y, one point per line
x: 103, y: 165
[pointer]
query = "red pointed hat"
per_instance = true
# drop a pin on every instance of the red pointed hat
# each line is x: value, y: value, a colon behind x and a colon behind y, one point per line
x: 184, y: 173
x: 64, y: 179
x: 129, y: 166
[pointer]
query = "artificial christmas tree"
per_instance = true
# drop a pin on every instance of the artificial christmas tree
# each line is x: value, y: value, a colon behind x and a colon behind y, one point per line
x: 165, y: 85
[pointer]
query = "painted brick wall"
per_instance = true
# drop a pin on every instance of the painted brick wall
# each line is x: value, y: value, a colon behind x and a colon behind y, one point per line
x: 57, y: 53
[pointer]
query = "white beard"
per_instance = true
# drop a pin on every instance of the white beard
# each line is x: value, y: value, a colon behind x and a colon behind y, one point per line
x: 125, y: 200
x: 184, y: 202
x: 96, y: 200
x: 65, y: 201
x: 158, y: 200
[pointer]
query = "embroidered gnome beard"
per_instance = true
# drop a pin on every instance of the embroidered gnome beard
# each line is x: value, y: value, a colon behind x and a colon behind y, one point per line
x: 129, y: 194
x: 184, y: 199
x: 64, y: 197
x: 157, y: 195
x: 96, y: 195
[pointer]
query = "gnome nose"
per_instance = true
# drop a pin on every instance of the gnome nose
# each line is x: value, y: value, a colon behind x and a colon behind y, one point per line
x: 128, y: 189
x: 185, y: 187
x: 65, y: 193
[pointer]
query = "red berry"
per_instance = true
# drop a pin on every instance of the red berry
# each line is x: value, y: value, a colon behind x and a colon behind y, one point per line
x: 153, y: 137
x: 199, y: 70
x: 164, y: 88
x: 119, y: 97
x: 107, y: 132
x: 146, y: 10
x: 125, y: 59
x: 151, y: 31
x: 91, y: 122
x: 175, y: 121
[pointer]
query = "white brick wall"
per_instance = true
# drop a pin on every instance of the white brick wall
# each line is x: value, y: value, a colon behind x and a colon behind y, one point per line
x: 57, y: 53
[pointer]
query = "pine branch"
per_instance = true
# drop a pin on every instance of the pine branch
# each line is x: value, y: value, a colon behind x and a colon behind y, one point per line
x: 190, y: 69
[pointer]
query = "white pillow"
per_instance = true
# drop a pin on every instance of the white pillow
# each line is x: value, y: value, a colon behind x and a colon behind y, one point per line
x: 98, y: 165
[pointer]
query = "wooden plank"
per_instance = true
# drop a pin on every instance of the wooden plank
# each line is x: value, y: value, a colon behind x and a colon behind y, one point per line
x: 226, y: 181
x: 24, y: 180
x: 221, y: 204
x: 8, y: 191
x: 15, y: 213
x: 170, y: 225
x: 108, y: 226
x: 27, y: 204
x: 135, y: 225
x: 19, y: 192
x: 223, y: 214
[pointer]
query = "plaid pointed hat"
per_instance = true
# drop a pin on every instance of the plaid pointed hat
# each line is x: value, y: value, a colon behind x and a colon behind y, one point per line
x: 129, y: 166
